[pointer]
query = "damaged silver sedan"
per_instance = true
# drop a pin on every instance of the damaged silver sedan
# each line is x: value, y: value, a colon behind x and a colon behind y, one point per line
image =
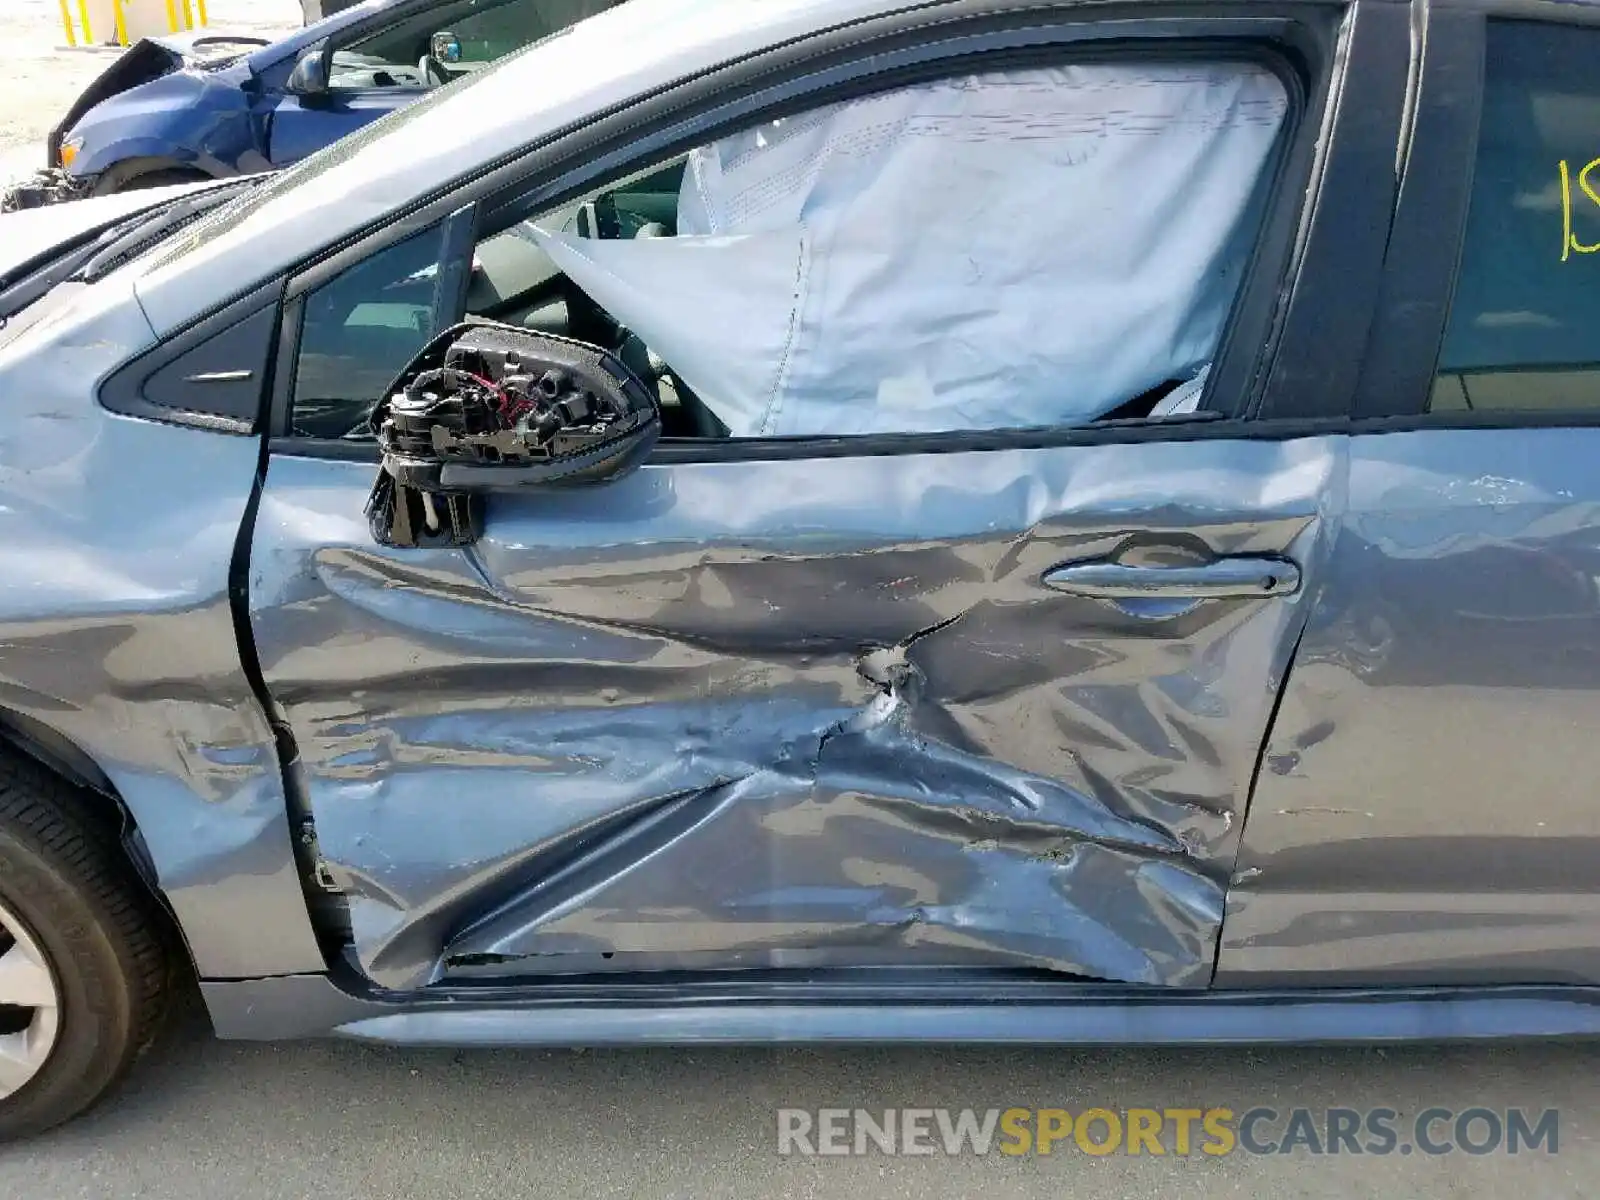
x: 827, y: 519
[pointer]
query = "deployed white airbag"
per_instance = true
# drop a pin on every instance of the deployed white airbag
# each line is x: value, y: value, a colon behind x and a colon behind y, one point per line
x: 1011, y: 249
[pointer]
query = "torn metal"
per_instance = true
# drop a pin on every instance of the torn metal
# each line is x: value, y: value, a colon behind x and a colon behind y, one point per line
x: 765, y: 714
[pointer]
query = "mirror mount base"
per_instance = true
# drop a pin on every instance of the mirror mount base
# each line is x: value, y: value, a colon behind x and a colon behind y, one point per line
x: 414, y: 519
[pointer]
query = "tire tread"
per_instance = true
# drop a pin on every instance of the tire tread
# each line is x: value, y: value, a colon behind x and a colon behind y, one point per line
x: 59, y: 821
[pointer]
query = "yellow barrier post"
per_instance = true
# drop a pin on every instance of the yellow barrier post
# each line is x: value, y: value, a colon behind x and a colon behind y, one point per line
x: 83, y: 13
x: 188, y: 15
x: 122, y: 22
x: 172, y: 15
x: 66, y: 20
x: 204, y: 20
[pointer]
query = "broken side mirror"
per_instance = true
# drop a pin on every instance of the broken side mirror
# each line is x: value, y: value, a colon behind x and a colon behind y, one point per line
x: 487, y: 408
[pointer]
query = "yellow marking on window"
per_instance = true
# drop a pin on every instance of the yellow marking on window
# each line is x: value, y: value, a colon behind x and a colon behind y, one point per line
x: 1569, y: 240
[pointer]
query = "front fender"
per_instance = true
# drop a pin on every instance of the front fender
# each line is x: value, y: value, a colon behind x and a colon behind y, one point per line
x: 194, y: 119
x: 116, y: 615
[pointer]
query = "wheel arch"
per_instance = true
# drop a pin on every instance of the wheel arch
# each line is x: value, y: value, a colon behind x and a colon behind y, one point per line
x: 125, y: 171
x: 104, y: 806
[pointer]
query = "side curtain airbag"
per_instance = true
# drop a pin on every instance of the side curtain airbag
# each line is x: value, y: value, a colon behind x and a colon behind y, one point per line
x: 1009, y: 249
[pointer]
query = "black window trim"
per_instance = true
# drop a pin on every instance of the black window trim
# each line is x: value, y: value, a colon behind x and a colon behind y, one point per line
x: 280, y: 400
x: 1436, y: 191
x: 684, y: 451
x: 123, y: 391
x: 1424, y: 250
x: 1318, y: 356
x: 612, y: 144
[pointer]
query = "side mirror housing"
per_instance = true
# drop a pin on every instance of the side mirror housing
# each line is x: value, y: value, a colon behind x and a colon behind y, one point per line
x: 446, y: 47
x: 310, y: 74
x: 492, y: 408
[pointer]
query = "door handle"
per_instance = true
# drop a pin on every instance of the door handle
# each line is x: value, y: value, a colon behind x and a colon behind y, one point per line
x: 1226, y: 577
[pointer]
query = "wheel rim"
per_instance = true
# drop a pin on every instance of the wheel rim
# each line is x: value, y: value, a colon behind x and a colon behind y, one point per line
x: 30, y: 1005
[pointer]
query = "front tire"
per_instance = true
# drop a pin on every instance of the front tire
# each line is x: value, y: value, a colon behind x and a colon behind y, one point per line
x: 84, y: 968
x: 158, y: 179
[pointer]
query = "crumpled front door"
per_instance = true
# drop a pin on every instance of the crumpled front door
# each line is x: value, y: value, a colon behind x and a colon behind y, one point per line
x: 986, y: 709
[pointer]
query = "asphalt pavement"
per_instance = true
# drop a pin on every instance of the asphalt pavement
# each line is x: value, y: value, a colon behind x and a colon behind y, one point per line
x: 202, y: 1120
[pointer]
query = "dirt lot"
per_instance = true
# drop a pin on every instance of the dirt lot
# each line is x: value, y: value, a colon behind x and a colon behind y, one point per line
x: 40, y: 77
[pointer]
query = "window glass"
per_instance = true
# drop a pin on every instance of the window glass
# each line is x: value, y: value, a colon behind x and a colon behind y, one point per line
x: 359, y: 329
x: 485, y: 30
x: 1017, y: 249
x: 494, y: 30
x: 1524, y: 329
x: 1011, y: 249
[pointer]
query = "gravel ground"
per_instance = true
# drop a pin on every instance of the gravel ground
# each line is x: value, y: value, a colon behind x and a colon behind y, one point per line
x: 40, y: 77
x: 203, y: 1119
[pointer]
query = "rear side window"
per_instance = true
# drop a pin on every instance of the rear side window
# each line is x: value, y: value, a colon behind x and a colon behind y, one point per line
x: 1524, y: 329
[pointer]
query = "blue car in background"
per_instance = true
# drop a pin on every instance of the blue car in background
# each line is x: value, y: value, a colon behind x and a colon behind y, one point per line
x: 206, y: 105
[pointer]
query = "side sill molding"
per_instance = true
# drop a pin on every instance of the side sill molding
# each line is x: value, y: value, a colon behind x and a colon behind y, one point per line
x: 313, y: 1005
